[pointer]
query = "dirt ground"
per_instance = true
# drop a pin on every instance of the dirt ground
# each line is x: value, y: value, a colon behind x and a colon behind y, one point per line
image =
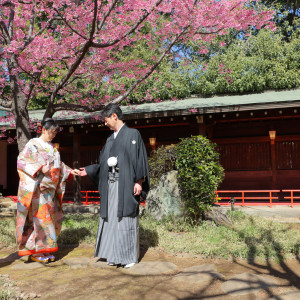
x: 58, y: 281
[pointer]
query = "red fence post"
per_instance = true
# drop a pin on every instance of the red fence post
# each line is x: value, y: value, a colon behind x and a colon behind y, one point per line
x: 270, y: 193
x: 86, y: 197
x: 292, y: 199
x: 243, y: 198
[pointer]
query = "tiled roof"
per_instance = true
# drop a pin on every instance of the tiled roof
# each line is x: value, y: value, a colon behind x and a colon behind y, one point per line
x: 199, y: 105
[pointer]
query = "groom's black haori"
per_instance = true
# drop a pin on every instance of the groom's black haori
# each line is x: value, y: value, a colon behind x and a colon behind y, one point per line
x: 117, y: 238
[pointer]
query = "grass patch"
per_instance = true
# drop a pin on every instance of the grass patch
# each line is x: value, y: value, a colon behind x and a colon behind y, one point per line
x: 79, y: 229
x: 7, y: 232
x: 249, y: 237
x: 8, y: 292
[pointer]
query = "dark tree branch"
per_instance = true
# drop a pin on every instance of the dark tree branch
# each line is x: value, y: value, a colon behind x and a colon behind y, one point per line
x: 31, y: 22
x: 114, y: 3
x: 67, y: 23
x: 211, y: 32
x: 78, y: 60
x: 11, y: 19
x: 4, y: 31
x: 124, y: 95
x: 75, y: 78
x: 35, y: 78
x: 28, y: 40
x: 94, y: 20
x: 139, y: 22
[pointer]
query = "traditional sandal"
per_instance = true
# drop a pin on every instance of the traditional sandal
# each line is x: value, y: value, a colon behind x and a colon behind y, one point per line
x: 50, y: 257
x: 39, y: 258
x: 129, y: 266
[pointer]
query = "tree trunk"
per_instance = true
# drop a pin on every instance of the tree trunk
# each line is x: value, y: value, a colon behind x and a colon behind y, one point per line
x: 21, y: 118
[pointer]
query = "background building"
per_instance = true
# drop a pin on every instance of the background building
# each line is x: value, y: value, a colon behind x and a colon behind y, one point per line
x: 257, y: 136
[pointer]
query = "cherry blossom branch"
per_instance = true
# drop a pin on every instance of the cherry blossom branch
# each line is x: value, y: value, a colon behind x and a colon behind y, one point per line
x: 28, y: 73
x: 35, y: 78
x: 94, y: 20
x: 77, y: 77
x: 11, y: 17
x: 67, y: 23
x: 124, y: 95
x: 4, y: 32
x: 32, y: 19
x: 77, y: 62
x: 114, y: 3
x: 139, y: 22
x: 28, y: 40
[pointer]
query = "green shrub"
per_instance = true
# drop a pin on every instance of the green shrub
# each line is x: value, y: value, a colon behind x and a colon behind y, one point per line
x: 199, y: 173
x: 161, y: 161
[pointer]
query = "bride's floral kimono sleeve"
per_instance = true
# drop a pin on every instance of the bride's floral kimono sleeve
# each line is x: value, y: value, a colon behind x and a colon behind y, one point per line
x: 65, y: 175
x: 29, y: 164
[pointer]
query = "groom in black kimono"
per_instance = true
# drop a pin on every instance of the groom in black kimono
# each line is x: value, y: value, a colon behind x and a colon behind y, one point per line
x: 122, y: 178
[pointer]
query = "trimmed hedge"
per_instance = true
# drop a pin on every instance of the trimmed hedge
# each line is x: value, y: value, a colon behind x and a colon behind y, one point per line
x: 199, y: 171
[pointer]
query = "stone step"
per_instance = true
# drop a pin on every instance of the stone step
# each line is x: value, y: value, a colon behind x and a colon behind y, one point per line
x: 6, y: 203
x: 73, y: 208
x: 7, y: 215
x: 8, y: 209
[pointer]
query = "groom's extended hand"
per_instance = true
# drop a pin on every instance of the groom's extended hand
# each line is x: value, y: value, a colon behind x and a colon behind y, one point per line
x: 82, y: 172
x: 75, y: 172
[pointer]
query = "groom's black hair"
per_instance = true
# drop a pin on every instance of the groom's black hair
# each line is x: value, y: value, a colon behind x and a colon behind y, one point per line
x: 111, y: 108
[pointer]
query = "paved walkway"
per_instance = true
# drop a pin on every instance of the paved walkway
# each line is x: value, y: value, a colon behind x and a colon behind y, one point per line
x: 77, y: 275
x: 281, y: 213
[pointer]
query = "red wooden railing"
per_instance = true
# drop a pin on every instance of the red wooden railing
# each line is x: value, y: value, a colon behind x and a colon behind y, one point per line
x: 245, y: 196
x: 87, y: 197
x: 259, y: 196
x: 292, y: 196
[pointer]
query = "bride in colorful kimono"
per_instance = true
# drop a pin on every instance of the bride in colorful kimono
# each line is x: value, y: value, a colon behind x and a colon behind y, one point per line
x: 42, y: 185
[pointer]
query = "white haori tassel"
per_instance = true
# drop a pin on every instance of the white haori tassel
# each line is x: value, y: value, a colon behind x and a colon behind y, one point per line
x: 112, y: 162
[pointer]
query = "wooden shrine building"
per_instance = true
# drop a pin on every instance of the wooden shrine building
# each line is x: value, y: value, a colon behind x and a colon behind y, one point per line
x: 257, y: 136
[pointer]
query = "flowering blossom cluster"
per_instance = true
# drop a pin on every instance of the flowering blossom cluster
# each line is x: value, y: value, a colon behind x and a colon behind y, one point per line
x: 47, y: 46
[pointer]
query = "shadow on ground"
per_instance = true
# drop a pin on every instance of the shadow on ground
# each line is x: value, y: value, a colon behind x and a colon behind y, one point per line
x: 6, y: 261
x: 148, y: 239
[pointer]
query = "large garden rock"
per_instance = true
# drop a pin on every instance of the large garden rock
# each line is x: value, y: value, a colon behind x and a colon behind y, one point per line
x: 218, y: 215
x: 164, y: 200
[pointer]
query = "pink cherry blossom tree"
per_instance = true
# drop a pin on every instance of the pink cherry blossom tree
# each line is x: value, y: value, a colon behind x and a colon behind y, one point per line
x: 46, y: 46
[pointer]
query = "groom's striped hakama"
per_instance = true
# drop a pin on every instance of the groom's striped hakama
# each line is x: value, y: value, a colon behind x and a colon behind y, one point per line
x: 118, y: 237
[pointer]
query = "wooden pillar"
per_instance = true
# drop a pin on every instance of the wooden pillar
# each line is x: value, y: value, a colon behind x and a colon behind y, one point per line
x: 202, y: 127
x: 76, y: 159
x: 273, y: 162
x: 209, y: 131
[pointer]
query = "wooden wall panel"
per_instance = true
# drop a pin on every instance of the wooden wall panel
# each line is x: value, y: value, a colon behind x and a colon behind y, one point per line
x: 242, y: 156
x: 287, y: 155
x: 247, y: 180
